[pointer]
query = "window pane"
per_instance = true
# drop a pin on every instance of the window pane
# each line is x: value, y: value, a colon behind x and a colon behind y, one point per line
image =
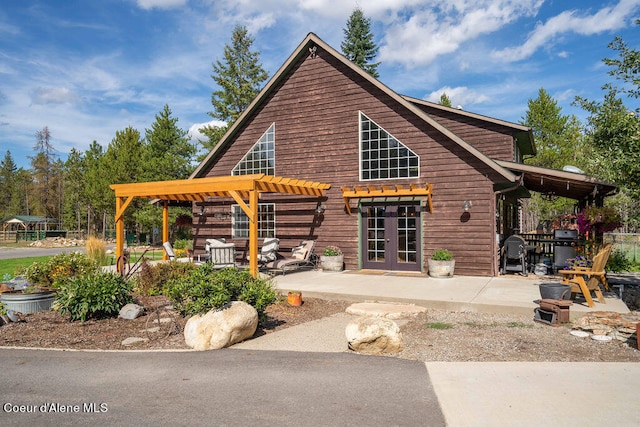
x: 376, y: 143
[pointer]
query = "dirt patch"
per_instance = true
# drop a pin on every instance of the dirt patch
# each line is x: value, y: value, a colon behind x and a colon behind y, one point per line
x: 435, y: 335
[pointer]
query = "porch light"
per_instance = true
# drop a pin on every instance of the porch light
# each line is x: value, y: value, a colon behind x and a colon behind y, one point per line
x: 466, y: 206
x: 320, y: 209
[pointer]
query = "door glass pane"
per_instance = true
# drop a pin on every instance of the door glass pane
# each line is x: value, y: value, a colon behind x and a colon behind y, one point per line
x: 375, y: 234
x: 407, y: 234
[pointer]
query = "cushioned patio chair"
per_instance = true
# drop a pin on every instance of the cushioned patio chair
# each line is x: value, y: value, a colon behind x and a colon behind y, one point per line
x: 220, y: 253
x: 514, y: 255
x: 268, y: 251
x: 584, y: 280
x: 302, y: 256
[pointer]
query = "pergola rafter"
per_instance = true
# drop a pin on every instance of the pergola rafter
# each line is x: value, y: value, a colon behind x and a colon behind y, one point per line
x: 243, y: 189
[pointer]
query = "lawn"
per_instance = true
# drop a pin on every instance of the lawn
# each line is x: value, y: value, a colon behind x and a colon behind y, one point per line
x: 11, y: 266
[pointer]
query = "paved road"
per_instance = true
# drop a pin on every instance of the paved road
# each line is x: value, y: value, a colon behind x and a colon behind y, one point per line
x: 225, y: 387
x: 11, y: 253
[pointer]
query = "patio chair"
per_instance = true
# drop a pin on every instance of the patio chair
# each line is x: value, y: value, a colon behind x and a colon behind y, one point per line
x: 302, y: 256
x: 594, y: 275
x: 268, y: 251
x: 220, y: 253
x: 514, y: 255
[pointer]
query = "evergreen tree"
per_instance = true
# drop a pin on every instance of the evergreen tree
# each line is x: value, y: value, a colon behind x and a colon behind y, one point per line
x: 46, y: 177
x: 8, y: 171
x: 168, y: 154
x: 358, y: 45
x: 75, y: 208
x: 239, y: 78
x: 444, y: 100
x: 559, y: 143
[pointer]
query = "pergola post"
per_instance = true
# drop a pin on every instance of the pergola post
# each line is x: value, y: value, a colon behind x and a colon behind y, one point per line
x: 253, y: 233
x: 165, y: 227
x: 119, y: 235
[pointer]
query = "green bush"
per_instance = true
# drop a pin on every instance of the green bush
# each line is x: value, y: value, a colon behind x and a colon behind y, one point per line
x: 59, y: 268
x: 207, y: 288
x: 153, y: 279
x: 618, y: 262
x: 93, y: 295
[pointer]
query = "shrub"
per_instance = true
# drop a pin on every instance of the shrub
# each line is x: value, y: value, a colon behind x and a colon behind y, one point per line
x: 618, y: 262
x: 92, y: 295
x: 332, y: 251
x: 59, y: 268
x: 442, y: 255
x: 153, y: 279
x: 206, y: 288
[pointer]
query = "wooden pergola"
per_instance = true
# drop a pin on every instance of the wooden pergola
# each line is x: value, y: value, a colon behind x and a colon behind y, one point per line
x: 244, y: 189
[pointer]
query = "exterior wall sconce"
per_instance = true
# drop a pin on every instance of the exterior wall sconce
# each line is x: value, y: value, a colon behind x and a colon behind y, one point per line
x: 201, y: 210
x: 320, y: 209
x: 466, y: 206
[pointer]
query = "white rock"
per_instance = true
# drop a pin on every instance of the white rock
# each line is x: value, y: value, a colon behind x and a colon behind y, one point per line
x: 374, y: 335
x: 134, y: 340
x: 221, y: 328
x: 131, y: 311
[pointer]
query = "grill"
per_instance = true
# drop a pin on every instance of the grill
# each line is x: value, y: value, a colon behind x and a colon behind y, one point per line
x: 564, y: 247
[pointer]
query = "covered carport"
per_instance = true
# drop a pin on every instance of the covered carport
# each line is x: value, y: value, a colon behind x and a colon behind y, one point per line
x: 245, y: 190
x: 573, y: 185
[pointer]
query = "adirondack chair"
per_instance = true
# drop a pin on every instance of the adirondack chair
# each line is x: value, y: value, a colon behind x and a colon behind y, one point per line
x: 584, y: 280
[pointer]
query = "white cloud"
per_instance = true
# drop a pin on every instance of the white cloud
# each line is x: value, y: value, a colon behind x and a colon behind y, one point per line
x: 606, y: 19
x: 160, y: 4
x: 442, y: 28
x: 194, y: 131
x: 53, y: 95
x: 460, y: 95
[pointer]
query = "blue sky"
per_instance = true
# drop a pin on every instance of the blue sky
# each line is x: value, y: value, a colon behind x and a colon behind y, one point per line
x: 89, y: 68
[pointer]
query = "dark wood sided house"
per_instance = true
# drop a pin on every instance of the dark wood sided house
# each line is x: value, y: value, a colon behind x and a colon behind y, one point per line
x: 407, y: 176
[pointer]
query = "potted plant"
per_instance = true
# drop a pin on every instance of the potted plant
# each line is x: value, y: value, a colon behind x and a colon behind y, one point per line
x: 294, y: 298
x: 441, y: 264
x: 332, y: 259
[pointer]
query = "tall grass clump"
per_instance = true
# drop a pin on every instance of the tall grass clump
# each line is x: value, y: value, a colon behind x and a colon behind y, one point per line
x: 97, y: 250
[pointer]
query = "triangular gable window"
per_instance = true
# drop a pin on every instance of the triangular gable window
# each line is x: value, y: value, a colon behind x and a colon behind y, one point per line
x: 261, y: 157
x: 382, y: 156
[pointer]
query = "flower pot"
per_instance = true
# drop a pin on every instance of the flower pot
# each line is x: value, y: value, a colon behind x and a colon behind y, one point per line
x: 294, y: 299
x: 441, y: 269
x: 555, y: 291
x: 332, y: 263
x: 27, y: 303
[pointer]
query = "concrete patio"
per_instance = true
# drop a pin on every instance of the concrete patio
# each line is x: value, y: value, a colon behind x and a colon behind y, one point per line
x: 512, y: 294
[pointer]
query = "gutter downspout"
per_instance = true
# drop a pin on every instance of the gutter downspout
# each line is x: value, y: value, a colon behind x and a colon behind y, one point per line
x: 496, y: 251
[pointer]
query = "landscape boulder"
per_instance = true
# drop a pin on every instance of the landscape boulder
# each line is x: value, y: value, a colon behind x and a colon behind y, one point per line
x: 131, y: 311
x: 221, y: 328
x: 374, y: 335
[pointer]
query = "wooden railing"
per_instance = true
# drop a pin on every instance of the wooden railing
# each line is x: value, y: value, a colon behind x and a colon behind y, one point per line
x: 544, y: 241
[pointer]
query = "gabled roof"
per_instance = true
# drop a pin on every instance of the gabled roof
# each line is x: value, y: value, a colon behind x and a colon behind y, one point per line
x: 302, y: 51
x: 523, y: 134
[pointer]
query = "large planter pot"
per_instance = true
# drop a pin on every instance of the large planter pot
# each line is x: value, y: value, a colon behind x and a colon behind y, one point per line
x: 332, y: 263
x: 555, y: 291
x: 27, y: 303
x: 441, y: 269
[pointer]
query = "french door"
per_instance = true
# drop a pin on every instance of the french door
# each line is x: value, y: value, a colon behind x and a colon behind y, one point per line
x: 391, y: 236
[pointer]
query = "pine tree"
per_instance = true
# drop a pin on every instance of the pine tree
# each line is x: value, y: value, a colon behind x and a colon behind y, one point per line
x: 444, y: 100
x: 8, y: 171
x: 168, y: 154
x: 358, y: 45
x: 239, y: 78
